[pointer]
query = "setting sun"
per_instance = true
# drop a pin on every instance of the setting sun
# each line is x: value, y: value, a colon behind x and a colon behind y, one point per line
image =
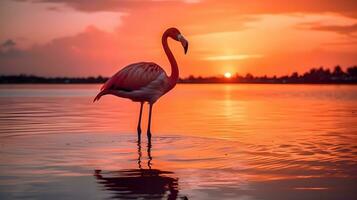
x: 227, y: 75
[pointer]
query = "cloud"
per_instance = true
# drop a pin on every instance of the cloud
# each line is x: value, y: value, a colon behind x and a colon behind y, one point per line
x: 348, y: 7
x: 86, y: 53
x: 342, y: 43
x: 111, y: 5
x: 345, y: 29
x: 232, y: 57
x: 8, y: 43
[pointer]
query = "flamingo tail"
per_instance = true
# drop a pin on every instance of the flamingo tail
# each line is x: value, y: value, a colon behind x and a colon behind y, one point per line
x: 100, y: 94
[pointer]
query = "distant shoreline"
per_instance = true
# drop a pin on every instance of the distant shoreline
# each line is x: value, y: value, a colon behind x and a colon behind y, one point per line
x: 314, y: 76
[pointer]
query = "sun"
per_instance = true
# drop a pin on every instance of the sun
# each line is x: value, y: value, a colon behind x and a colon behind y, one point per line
x: 227, y: 75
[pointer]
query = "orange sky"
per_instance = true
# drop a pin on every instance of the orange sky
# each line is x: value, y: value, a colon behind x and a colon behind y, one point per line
x: 98, y: 37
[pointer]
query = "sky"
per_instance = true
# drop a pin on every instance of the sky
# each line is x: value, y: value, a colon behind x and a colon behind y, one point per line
x: 99, y: 37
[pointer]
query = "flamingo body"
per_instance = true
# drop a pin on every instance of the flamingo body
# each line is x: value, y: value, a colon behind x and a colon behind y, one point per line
x: 145, y: 81
x: 140, y: 82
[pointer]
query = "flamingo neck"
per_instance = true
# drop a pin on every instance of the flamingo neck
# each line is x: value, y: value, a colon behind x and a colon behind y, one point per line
x: 174, y: 68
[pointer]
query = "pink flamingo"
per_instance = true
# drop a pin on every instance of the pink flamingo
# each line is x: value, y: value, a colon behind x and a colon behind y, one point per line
x: 145, y: 81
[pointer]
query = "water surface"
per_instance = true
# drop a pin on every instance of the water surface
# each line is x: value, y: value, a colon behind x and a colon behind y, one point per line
x: 209, y: 142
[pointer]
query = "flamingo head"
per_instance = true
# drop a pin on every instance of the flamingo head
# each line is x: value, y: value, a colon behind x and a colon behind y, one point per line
x: 175, y: 34
x: 183, y: 42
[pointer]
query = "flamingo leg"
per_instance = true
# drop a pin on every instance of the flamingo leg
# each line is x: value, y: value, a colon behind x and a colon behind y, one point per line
x: 149, y: 124
x: 149, y: 154
x: 139, y: 123
x: 139, y: 154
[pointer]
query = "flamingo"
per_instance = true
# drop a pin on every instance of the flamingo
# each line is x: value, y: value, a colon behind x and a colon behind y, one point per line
x: 145, y: 81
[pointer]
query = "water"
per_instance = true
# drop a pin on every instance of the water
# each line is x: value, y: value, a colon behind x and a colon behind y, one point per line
x: 209, y: 142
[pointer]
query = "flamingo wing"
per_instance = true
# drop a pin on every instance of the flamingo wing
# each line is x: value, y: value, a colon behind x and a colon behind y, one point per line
x: 133, y: 77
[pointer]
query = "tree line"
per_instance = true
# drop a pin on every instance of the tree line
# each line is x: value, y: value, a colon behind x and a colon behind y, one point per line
x: 315, y: 75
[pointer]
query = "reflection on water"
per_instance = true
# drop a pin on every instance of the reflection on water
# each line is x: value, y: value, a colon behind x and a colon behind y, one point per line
x: 209, y: 142
x: 140, y: 183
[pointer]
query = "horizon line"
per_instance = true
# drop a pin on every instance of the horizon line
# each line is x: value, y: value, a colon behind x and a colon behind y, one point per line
x: 234, y: 75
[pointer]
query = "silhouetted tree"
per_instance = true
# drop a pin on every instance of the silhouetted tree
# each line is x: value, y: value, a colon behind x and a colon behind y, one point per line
x: 249, y: 76
x: 337, y: 72
x: 352, y: 71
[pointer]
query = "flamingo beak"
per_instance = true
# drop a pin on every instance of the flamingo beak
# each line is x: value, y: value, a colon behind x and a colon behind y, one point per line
x: 185, y: 46
x: 184, y: 42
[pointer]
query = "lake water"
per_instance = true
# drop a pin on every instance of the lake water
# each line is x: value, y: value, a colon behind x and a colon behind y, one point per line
x: 216, y: 141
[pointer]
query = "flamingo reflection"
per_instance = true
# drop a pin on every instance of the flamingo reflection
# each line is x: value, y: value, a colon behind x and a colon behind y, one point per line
x: 140, y: 183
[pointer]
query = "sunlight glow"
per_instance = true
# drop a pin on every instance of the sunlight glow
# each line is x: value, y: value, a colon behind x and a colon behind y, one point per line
x: 227, y: 75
